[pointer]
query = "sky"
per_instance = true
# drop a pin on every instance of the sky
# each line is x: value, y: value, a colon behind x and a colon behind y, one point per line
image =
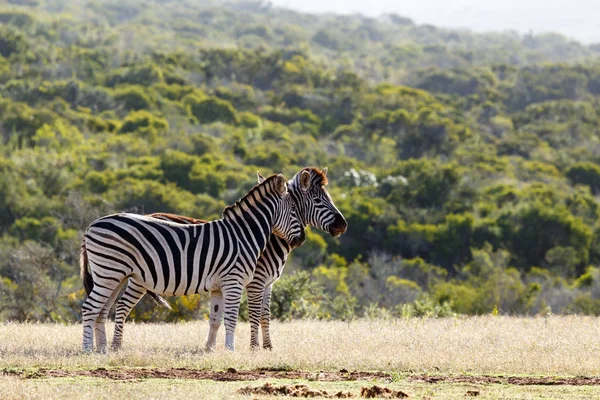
x: 576, y: 19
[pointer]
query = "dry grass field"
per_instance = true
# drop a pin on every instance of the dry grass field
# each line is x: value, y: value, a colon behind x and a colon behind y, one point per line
x: 486, y: 357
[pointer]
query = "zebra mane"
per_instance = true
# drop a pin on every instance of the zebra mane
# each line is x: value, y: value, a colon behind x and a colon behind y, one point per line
x: 269, y: 188
x: 317, y: 178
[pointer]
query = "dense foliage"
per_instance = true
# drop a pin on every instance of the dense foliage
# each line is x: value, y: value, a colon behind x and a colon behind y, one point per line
x: 465, y: 164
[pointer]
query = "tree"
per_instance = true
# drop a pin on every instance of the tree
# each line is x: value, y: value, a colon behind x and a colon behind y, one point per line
x: 212, y: 109
x: 585, y: 173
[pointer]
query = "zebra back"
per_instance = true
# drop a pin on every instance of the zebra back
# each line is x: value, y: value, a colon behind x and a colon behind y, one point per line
x: 180, y: 219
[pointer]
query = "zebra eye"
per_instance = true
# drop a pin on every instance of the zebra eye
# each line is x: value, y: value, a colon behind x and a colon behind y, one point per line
x: 317, y: 200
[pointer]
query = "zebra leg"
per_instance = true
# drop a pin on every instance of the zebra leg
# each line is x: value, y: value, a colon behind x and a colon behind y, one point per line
x: 254, y: 290
x: 100, y: 324
x: 265, y: 317
x: 92, y: 307
x: 88, y: 316
x: 216, y: 316
x: 232, y: 296
x: 131, y: 296
x: 100, y: 331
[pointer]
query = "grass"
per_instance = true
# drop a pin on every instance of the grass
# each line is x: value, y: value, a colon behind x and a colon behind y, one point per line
x: 555, y: 346
x: 477, y: 345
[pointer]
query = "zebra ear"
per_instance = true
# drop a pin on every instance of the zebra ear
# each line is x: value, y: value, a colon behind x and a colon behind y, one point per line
x: 280, y: 184
x: 305, y: 180
x: 324, y: 171
x: 261, y: 178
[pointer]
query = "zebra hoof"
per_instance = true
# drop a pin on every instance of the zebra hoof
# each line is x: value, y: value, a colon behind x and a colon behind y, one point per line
x: 254, y: 347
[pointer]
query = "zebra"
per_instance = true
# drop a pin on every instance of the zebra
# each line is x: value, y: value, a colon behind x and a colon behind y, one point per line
x: 315, y: 207
x: 174, y: 259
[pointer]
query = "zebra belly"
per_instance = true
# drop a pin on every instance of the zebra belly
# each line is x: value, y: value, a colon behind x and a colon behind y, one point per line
x: 212, y: 284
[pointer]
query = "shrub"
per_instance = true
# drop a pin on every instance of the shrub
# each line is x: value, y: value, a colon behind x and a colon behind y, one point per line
x: 145, y: 124
x: 295, y: 296
x: 147, y: 197
x: 203, y: 144
x: 212, y: 109
x: 12, y: 41
x: 424, y: 307
x: 144, y: 75
x: 585, y: 173
x: 204, y: 179
x: 133, y: 98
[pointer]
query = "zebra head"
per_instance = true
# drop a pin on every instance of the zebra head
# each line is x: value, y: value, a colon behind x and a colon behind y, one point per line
x: 288, y: 225
x: 313, y: 202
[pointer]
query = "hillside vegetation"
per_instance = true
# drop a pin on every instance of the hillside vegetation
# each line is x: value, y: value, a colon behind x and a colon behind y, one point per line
x: 465, y: 164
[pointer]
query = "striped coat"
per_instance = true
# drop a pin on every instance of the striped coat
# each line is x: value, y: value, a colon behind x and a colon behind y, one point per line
x: 174, y: 259
x: 315, y: 208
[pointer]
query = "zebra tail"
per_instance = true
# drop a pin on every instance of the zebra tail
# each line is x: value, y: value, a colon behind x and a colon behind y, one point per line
x: 159, y: 300
x: 86, y: 276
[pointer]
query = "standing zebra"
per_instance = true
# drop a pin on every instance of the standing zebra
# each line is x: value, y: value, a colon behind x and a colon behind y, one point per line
x: 174, y: 259
x: 314, y: 206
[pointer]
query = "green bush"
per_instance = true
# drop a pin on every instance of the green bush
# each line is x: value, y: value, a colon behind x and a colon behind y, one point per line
x: 144, y: 124
x: 133, y: 98
x: 212, y: 109
x: 17, y: 19
x: 144, y: 75
x: 12, y: 41
x: 146, y: 197
x: 44, y: 230
x: 295, y: 296
x: 585, y: 173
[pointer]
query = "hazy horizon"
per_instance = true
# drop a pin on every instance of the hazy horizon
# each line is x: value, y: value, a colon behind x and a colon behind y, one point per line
x: 577, y: 20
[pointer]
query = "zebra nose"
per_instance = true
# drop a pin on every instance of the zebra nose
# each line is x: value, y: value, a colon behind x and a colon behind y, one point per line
x: 338, y: 226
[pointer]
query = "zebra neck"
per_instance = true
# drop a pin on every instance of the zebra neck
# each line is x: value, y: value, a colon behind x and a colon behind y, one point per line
x: 250, y: 235
x: 252, y: 224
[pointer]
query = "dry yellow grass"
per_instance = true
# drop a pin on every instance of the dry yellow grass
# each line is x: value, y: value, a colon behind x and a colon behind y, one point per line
x: 555, y: 345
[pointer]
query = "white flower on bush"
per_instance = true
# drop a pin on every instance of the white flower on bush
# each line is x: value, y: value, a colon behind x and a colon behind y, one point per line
x: 359, y: 178
x: 395, y: 180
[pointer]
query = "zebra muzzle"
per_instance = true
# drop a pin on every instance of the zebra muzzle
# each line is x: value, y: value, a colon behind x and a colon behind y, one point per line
x: 338, y: 226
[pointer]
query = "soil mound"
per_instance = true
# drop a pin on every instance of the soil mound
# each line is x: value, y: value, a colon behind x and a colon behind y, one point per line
x: 378, y: 392
x: 269, y: 389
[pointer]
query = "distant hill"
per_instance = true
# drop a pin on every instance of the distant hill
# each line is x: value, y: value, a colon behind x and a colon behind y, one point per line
x: 577, y: 19
x: 385, y: 48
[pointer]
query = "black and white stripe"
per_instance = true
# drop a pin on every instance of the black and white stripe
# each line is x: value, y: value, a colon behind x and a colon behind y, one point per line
x: 175, y: 259
x: 316, y: 208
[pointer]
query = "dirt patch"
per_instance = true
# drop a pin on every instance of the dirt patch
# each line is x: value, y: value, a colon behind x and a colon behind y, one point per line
x: 232, y: 374
x: 378, y: 392
x: 291, y: 391
x: 268, y: 389
x: 183, y: 373
x: 508, y: 380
